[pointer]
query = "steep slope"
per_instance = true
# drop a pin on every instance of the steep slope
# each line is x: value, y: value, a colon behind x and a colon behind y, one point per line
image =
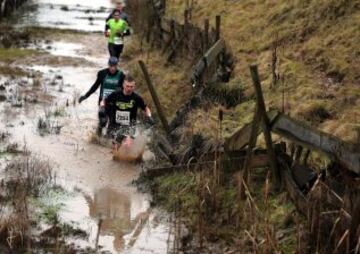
x: 318, y: 56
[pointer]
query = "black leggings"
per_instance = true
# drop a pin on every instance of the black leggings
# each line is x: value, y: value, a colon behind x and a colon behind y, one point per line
x: 115, y: 50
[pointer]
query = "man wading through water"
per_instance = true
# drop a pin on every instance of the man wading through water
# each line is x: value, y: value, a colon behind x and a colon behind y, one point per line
x: 117, y: 28
x: 121, y: 107
x: 109, y: 80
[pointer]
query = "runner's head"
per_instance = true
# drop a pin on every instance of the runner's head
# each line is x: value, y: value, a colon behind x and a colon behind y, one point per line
x: 129, y: 85
x: 113, y: 62
x: 119, y: 6
x: 116, y: 15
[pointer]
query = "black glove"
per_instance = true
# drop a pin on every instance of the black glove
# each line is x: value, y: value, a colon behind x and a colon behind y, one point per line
x: 150, y: 121
x: 82, y: 98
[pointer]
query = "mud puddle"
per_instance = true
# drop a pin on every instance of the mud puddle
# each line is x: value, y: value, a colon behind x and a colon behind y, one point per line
x: 102, y: 199
x: 101, y: 187
x: 65, y: 14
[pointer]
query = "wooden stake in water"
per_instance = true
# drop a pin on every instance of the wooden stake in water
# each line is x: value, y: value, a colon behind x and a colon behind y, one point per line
x: 98, y: 233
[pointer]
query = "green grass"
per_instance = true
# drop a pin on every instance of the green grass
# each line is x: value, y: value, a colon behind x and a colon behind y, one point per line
x: 318, y: 47
x: 179, y: 192
x: 12, y: 71
x: 13, y: 54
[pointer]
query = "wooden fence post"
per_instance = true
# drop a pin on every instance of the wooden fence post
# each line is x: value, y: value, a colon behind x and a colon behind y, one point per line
x: 244, y: 174
x: 217, y: 27
x: 155, y: 98
x: 206, y: 35
x: 186, y: 16
x: 265, y: 125
x: 172, y: 31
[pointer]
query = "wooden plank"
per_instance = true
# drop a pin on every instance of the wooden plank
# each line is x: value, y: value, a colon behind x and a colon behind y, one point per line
x: 213, y: 52
x: 294, y: 192
x: 241, y: 137
x: 346, y: 154
x: 257, y: 161
x: 155, y: 98
x: 209, y: 57
x: 265, y: 124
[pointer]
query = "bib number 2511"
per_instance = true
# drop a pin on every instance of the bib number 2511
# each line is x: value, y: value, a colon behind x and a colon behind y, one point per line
x: 122, y: 117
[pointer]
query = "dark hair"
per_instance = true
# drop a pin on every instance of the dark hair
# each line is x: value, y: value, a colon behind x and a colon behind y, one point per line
x: 116, y: 12
x: 129, y: 78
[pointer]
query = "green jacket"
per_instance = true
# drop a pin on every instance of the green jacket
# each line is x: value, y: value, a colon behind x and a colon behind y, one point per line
x: 117, y: 28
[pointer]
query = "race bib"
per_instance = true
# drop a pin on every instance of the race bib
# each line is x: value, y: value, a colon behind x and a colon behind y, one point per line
x: 118, y: 40
x: 107, y: 92
x: 122, y: 117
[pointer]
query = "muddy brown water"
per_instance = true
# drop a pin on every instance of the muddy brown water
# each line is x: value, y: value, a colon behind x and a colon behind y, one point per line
x: 100, y: 186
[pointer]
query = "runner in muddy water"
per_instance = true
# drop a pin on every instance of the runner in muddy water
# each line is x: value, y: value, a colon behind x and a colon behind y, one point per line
x: 121, y: 107
x: 117, y: 29
x: 109, y: 80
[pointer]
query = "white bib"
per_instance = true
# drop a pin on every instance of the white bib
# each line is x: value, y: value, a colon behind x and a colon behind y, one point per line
x: 118, y: 40
x: 122, y: 117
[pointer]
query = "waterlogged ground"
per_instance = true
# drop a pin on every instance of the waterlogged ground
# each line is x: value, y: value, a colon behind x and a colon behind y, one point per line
x: 96, y: 188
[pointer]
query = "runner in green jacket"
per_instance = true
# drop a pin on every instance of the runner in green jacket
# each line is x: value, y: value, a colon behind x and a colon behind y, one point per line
x: 118, y: 28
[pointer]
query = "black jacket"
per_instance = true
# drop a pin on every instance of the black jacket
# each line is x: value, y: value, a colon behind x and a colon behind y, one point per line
x: 100, y: 79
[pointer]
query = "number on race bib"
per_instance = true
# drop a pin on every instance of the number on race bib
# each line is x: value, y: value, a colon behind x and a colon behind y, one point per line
x: 122, y: 117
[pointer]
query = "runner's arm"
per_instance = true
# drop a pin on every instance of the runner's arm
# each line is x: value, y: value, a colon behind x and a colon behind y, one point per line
x: 147, y: 112
x: 144, y: 107
x: 95, y: 86
x: 107, y: 20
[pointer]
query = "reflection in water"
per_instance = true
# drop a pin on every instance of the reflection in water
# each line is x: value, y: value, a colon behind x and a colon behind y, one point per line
x: 114, y: 209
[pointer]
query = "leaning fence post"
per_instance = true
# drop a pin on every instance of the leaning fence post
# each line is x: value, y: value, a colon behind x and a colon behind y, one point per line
x: 265, y: 124
x: 244, y: 174
x: 155, y: 98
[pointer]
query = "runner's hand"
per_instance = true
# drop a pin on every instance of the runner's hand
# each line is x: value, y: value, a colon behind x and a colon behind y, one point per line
x: 150, y: 121
x: 81, y: 99
x: 106, y: 34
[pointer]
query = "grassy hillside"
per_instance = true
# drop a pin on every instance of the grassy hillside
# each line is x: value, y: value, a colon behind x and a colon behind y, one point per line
x: 318, y: 56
